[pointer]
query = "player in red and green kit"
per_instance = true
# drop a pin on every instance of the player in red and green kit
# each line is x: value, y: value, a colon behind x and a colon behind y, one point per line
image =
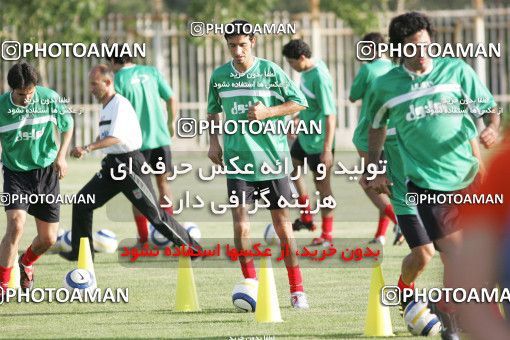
x: 247, y: 89
x: 431, y: 102
x: 317, y: 86
x: 366, y: 75
x: 145, y: 87
x: 33, y: 164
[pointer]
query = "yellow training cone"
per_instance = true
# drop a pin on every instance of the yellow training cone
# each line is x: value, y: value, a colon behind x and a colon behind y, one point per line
x: 186, y: 299
x: 268, y: 308
x: 378, y: 321
x: 85, y: 256
x: 14, y: 280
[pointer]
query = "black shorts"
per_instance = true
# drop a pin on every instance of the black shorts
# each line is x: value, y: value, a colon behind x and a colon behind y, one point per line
x: 24, y: 183
x: 161, y: 154
x: 275, y: 190
x: 414, y: 232
x: 313, y: 160
x: 438, y: 219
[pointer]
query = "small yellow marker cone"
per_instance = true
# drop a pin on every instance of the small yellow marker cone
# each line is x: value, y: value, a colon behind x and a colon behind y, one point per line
x: 378, y: 321
x: 186, y: 299
x: 268, y: 308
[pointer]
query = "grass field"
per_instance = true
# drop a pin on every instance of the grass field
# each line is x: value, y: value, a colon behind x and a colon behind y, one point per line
x: 338, y: 297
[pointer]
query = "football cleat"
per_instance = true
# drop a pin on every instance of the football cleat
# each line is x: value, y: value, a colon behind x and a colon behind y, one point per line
x: 26, y: 274
x: 298, y: 300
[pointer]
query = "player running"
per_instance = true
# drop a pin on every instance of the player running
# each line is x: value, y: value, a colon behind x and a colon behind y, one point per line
x: 366, y: 75
x: 33, y: 164
x: 317, y: 86
x: 144, y: 86
x: 433, y: 133
x: 246, y: 95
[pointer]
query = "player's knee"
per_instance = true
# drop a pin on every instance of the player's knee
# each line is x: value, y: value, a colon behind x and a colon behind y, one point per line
x: 242, y: 229
x: 422, y: 256
x: 15, y: 228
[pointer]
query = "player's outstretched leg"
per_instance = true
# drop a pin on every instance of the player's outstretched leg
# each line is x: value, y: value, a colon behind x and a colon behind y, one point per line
x: 324, y: 189
x: 9, y: 246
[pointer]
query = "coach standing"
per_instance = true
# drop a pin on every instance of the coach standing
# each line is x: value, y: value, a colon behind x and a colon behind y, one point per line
x: 33, y: 163
x: 120, y: 138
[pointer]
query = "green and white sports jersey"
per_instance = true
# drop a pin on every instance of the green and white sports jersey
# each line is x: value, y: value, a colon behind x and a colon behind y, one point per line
x: 431, y: 113
x: 233, y: 93
x: 359, y: 89
x: 317, y: 86
x: 144, y: 86
x: 26, y: 132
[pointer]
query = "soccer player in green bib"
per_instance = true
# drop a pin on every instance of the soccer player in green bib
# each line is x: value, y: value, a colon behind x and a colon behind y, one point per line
x: 317, y: 149
x: 430, y: 101
x: 33, y: 164
x: 144, y: 86
x: 366, y: 75
x: 248, y: 89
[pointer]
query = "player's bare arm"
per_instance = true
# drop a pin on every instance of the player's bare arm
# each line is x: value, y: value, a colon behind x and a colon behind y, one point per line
x: 172, y: 109
x: 380, y: 183
x: 215, y: 152
x: 80, y: 151
x: 327, y: 155
x: 260, y: 112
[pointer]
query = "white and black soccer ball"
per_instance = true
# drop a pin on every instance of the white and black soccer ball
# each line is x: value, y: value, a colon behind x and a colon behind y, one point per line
x: 65, y: 241
x: 105, y: 241
x: 420, y: 321
x: 193, y: 230
x: 244, y: 295
x: 270, y: 235
x: 157, y: 239
x: 80, y: 279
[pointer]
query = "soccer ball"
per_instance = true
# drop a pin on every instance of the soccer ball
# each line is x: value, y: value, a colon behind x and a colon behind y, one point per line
x: 80, y: 279
x: 193, y: 230
x: 157, y: 239
x: 65, y: 241
x: 419, y: 319
x: 244, y: 295
x: 105, y: 241
x: 57, y: 247
x: 270, y: 235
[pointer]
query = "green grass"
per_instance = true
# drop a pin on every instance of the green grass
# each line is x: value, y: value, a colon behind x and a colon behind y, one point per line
x: 338, y: 297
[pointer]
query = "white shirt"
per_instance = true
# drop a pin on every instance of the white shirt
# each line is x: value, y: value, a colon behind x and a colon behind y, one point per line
x: 118, y: 119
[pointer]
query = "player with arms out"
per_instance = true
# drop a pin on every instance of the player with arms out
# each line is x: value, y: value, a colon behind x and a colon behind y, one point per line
x: 144, y: 86
x: 255, y: 99
x: 359, y: 89
x: 434, y: 133
x: 317, y: 86
x: 33, y: 164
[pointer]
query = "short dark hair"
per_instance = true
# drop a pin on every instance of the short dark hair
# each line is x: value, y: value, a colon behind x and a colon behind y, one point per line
x: 241, y: 27
x: 376, y: 37
x: 408, y: 24
x: 21, y: 75
x: 120, y: 60
x: 296, y: 48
